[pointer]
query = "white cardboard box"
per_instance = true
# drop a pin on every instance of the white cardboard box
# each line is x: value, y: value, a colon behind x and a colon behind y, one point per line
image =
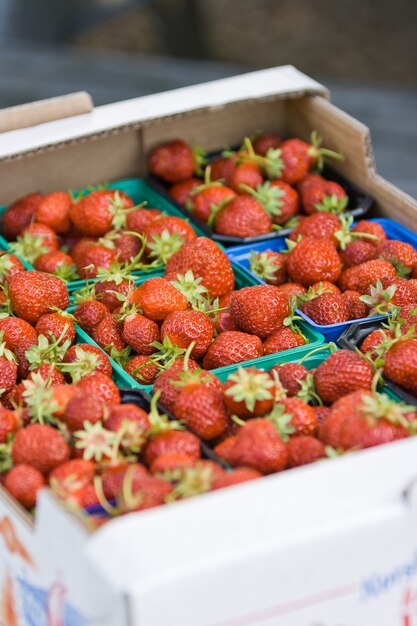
x: 334, y: 544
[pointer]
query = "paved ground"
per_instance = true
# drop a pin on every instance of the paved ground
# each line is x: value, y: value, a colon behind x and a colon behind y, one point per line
x: 31, y: 73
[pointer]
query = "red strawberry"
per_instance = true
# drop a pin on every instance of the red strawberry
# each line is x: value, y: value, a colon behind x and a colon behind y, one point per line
x: 18, y: 336
x: 326, y: 264
x: 328, y: 308
x: 147, y: 492
x: 372, y: 340
x: 73, y: 481
x: 249, y: 393
x: 357, y: 252
x: 278, y: 199
x: 53, y: 210
x: 235, y: 477
x: 356, y: 308
x: 173, y: 161
x: 32, y: 294
x: 184, y: 327
x: 206, y: 261
x: 264, y: 141
x: 303, y: 418
x: 304, y: 450
x: 48, y: 372
x: 341, y: 373
x: 299, y: 157
x: 138, y: 220
x: 87, y: 359
x: 166, y: 235
x: 139, y: 333
x: 101, y: 385
x: 142, y: 369
x: 329, y: 431
x: 46, y: 236
x: 181, y: 192
x: 371, y: 228
x: 290, y: 376
x: 9, y: 423
x: 127, y: 246
x: 270, y: 266
x: 8, y: 373
x: 23, y: 482
x: 401, y: 364
x: 172, y: 442
x: 260, y: 309
x: 94, y: 255
x: 202, y: 410
x: 157, y: 298
x: 360, y: 277
x: 320, y: 194
x: 324, y: 286
x: 400, y: 254
x: 106, y: 290
x: 232, y: 347
x: 224, y: 322
x: 205, y: 201
x: 20, y: 214
x: 83, y: 407
x: 133, y: 421
x: 9, y: 266
x: 171, y: 461
x: 259, y: 446
x: 224, y: 449
x: 58, y: 263
x: 40, y: 446
x: 89, y: 314
x: 164, y: 383
x: 242, y: 216
x: 56, y: 325
x: 109, y: 334
x: 318, y: 226
x: 99, y: 211
x: 390, y: 292
x: 114, y: 476
x: 222, y: 168
x: 321, y: 413
x: 292, y: 289
x: 284, y: 338
x: 245, y: 174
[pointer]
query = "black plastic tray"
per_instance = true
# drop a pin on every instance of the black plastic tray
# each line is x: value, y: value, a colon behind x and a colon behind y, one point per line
x: 359, y: 204
x: 353, y: 337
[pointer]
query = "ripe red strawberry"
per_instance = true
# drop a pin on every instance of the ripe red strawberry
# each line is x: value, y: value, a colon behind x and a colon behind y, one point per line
x: 9, y: 423
x: 304, y: 450
x: 371, y: 228
x: 139, y: 333
x: 224, y: 449
x: 184, y: 327
x: 73, y: 481
x: 206, y: 261
x: 321, y: 413
x: 99, y: 211
x: 18, y: 336
x: 391, y: 292
x: 341, y: 373
x: 114, y: 476
x: 164, y: 383
x: 242, y: 216
x: 356, y: 308
x: 32, y: 294
x: 290, y: 376
x: 132, y: 420
x: 142, y: 369
x: 47, y: 237
x: 172, y: 442
x: 83, y: 407
x: 319, y: 194
x: 48, y: 372
x: 204, y: 202
x: 101, y: 385
x: 232, y: 347
x: 224, y: 322
x: 8, y: 373
x: 245, y: 174
x: 401, y: 364
x: 53, y: 210
x: 95, y: 255
x: 89, y: 314
x: 166, y: 235
x: 202, y: 410
x: 9, y: 266
x: 329, y: 430
x: 20, y: 214
x: 171, y: 461
x: 264, y: 141
x: 109, y: 334
x: 106, y: 290
x: 148, y: 492
x: 139, y: 219
x: 318, y: 226
x: 172, y: 161
x: 270, y: 266
x: 279, y: 200
x: 23, y: 482
x: 40, y: 446
x: 259, y: 446
x: 259, y: 310
x: 357, y: 252
x: 58, y: 263
x: 361, y: 277
x: 235, y: 477
x: 328, y: 308
x: 284, y: 338
x: 181, y: 192
x: 324, y: 286
x: 299, y: 157
x: 400, y: 254
x: 374, y: 339
x: 292, y: 289
x: 126, y: 245
x: 58, y: 325
x: 222, y: 168
x: 87, y: 359
x: 249, y: 393
x: 303, y: 418
x: 326, y: 264
x: 157, y: 298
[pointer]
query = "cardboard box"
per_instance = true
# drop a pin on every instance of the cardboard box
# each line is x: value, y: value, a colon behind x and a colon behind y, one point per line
x: 334, y: 544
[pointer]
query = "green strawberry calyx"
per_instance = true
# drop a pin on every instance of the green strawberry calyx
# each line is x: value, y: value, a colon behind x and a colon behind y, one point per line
x: 86, y: 363
x: 379, y: 299
x: 163, y: 246
x: 269, y: 196
x: 190, y: 287
x: 96, y: 441
x: 265, y: 265
x: 29, y: 247
x: 332, y: 204
x: 48, y: 349
x: 318, y: 154
x: 190, y: 481
x: 281, y: 420
x: 250, y: 387
x: 39, y: 399
x: 271, y: 164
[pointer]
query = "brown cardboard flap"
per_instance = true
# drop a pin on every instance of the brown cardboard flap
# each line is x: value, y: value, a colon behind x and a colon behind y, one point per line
x: 33, y: 113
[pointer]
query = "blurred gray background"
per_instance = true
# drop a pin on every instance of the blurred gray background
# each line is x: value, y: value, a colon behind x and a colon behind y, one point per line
x: 363, y: 50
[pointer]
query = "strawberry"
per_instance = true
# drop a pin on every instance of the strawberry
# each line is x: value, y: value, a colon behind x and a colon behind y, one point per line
x: 235, y: 477
x: 132, y: 421
x: 9, y: 266
x: 290, y: 376
x: 56, y: 326
x: 245, y: 175
x: 232, y: 347
x: 324, y: 287
x: 329, y: 430
x: 303, y: 419
x: 321, y: 413
x: 222, y: 168
x: 181, y: 192
x: 109, y: 335
x: 53, y: 210
x: 126, y: 245
x: 147, y: 492
x: 172, y: 442
x: 328, y: 308
x: 224, y: 449
x: 40, y: 446
x: 401, y: 364
x: 304, y: 450
x: 299, y: 157
x: 284, y: 338
x: 142, y: 369
x: 32, y: 294
x: 139, y: 333
x: 47, y: 237
x: 260, y: 309
x: 361, y: 277
x: 326, y: 264
x: 289, y: 290
x: 319, y: 194
x: 224, y: 322
x: 259, y: 446
x: 264, y: 141
x: 83, y: 407
x: 371, y: 228
x: 202, y: 410
x: 89, y: 314
x: 356, y: 308
x: 372, y: 340
x: 19, y: 215
x: 49, y: 373
x: 139, y: 219
x: 23, y: 482
x: 318, y: 226
x: 18, y: 336
x: 270, y: 266
x: 206, y: 200
x: 9, y: 423
x: 184, y: 327
x: 107, y: 289
x: 58, y: 263
x: 8, y: 369
x: 92, y: 257
x: 388, y: 293
x: 101, y: 385
x: 400, y: 254
x: 357, y: 252
x: 242, y: 216
x: 73, y: 480
x: 279, y: 200
x: 157, y: 298
x: 170, y: 462
x: 341, y: 373
x: 84, y: 359
x: 165, y: 382
x: 35, y: 240
x: 100, y: 211
x: 206, y: 261
x: 114, y: 476
x: 166, y: 235
x: 173, y: 161
x: 249, y: 393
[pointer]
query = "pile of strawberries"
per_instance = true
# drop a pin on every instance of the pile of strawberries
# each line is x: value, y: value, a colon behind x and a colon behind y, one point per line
x: 338, y: 273
x: 262, y: 187
x: 81, y: 236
